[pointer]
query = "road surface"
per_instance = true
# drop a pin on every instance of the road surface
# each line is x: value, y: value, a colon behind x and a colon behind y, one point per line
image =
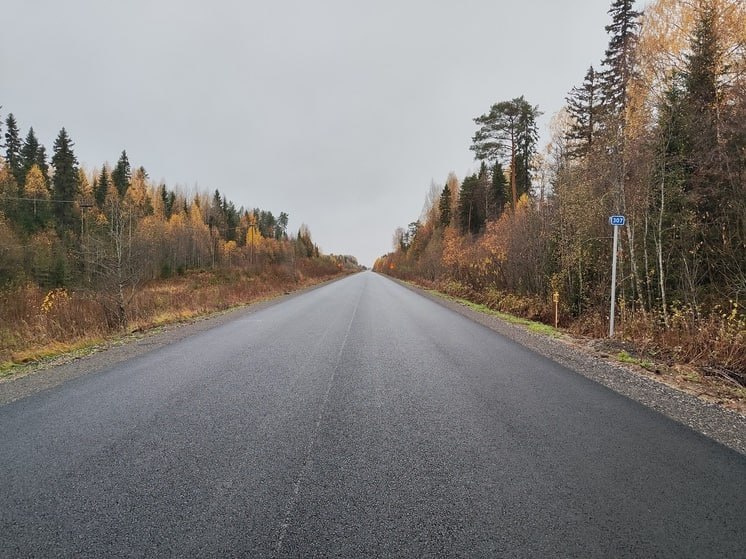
x: 357, y: 420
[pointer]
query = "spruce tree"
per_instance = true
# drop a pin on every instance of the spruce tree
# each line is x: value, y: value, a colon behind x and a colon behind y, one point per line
x: 707, y: 185
x: 444, y: 206
x: 41, y: 162
x: 122, y: 174
x: 29, y: 153
x: 13, y: 149
x: 101, y: 187
x: 498, y: 192
x: 471, y: 205
x: 701, y: 80
x: 64, y: 183
x: 583, y: 106
x: 618, y: 62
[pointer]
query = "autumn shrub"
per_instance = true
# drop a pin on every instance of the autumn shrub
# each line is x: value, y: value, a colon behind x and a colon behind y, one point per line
x: 686, y: 334
x: 35, y: 318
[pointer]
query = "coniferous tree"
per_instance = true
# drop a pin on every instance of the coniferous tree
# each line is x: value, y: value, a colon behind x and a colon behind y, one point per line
x: 506, y: 133
x: 282, y: 225
x: 41, y: 162
x: 64, y: 182
x: 498, y: 192
x: 444, y: 207
x: 169, y: 200
x: 702, y: 91
x: 619, y: 59
x: 615, y: 87
x: 29, y: 153
x: 101, y: 187
x: 528, y: 136
x: 583, y: 105
x: 471, y: 205
x: 13, y: 149
x: 707, y: 185
x: 121, y: 175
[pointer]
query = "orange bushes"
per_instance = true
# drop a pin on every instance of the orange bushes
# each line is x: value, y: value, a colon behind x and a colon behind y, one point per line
x: 33, y: 317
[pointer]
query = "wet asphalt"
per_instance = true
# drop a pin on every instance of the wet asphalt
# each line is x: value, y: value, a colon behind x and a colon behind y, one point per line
x: 357, y: 420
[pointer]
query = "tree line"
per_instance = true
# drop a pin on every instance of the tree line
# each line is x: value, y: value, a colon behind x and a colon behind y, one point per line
x: 657, y: 133
x: 109, y: 230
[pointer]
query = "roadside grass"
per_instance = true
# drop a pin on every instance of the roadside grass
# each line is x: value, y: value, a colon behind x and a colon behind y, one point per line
x: 624, y: 357
x: 38, y: 326
x: 531, y: 325
x: 39, y: 354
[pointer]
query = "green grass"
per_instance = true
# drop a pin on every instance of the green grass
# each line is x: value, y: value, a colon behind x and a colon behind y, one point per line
x: 531, y: 325
x: 624, y: 357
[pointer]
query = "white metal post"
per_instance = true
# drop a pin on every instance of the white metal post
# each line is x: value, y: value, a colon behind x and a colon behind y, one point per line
x: 613, y: 282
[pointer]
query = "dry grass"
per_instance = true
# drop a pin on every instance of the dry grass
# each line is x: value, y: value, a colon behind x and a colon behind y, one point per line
x: 36, y: 324
x: 715, y: 343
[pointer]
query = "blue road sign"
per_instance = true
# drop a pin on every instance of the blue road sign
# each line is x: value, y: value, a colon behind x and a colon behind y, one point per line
x: 617, y: 220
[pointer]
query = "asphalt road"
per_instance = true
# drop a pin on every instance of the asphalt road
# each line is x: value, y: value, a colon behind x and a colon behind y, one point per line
x: 357, y: 420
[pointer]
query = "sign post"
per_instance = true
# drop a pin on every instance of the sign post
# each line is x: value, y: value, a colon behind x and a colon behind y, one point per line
x: 555, y: 298
x: 617, y: 221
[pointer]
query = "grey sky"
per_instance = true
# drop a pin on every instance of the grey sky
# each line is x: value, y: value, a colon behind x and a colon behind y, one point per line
x: 337, y: 112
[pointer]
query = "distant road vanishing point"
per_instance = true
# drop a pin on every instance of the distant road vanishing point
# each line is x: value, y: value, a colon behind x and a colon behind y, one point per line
x: 358, y: 419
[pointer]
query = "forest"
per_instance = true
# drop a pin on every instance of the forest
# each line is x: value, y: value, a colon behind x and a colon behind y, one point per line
x: 88, y: 254
x: 655, y: 132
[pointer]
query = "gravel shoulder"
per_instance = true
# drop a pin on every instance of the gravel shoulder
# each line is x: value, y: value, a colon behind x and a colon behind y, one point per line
x: 722, y: 425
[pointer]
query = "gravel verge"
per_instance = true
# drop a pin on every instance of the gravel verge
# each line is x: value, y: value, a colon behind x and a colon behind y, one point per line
x: 722, y: 425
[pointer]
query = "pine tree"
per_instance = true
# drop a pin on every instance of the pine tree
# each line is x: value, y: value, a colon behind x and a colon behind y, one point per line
x: 64, y: 182
x: 122, y: 174
x: 13, y: 149
x: 583, y: 106
x: 506, y: 133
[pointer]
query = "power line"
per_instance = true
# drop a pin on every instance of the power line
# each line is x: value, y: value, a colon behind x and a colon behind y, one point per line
x: 41, y: 200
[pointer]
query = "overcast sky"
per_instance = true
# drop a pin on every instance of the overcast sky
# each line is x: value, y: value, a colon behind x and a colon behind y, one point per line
x: 339, y: 112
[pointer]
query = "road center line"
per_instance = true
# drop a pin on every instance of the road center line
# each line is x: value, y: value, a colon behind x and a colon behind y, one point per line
x: 293, y: 500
